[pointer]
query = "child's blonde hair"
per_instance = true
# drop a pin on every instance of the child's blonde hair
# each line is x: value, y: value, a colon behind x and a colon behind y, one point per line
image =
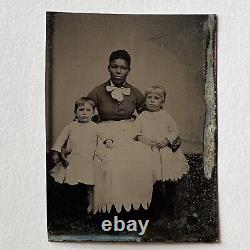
x: 157, y: 89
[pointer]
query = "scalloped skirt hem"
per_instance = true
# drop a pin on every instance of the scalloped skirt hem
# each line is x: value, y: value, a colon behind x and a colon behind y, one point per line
x: 118, y: 207
x: 176, y: 178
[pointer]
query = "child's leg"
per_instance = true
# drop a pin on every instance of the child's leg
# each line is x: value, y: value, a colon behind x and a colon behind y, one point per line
x: 156, y: 205
x: 76, y: 201
x: 90, y: 203
x: 169, y: 197
x: 71, y: 204
x: 90, y: 198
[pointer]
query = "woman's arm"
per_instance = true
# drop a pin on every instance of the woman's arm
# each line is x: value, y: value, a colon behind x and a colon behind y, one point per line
x: 139, y: 100
x: 104, y: 138
x: 175, y: 144
x: 93, y: 95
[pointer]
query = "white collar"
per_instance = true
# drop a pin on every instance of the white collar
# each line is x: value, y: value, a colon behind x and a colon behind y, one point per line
x: 113, y: 85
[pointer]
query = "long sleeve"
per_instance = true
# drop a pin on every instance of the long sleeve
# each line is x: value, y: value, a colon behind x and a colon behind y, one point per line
x: 93, y: 94
x: 61, y: 139
x: 138, y: 126
x: 140, y: 100
x: 173, y: 130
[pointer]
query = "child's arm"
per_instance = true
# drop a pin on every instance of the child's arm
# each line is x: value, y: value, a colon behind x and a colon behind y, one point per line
x: 57, y: 147
x: 138, y: 128
x: 144, y: 140
x: 173, y: 135
x: 162, y: 144
x: 139, y: 133
x: 173, y: 130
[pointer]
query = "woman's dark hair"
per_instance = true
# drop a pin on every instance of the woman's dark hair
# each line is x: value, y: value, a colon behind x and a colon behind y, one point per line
x: 120, y: 54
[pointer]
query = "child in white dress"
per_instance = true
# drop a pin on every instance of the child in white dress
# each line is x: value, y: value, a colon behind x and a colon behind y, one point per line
x: 81, y: 138
x: 157, y: 130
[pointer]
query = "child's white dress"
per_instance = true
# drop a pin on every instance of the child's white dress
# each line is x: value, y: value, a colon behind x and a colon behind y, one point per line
x: 157, y: 126
x: 81, y: 139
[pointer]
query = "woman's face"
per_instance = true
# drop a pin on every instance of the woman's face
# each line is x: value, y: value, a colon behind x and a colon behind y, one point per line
x: 118, y: 70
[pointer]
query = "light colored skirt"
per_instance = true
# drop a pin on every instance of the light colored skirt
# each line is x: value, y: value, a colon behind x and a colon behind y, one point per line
x: 166, y: 165
x: 81, y: 169
x: 124, y: 175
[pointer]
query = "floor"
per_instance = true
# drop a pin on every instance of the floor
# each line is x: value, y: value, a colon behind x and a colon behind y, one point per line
x: 182, y: 212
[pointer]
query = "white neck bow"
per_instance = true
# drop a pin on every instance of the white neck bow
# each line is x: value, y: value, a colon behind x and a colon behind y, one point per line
x: 117, y: 93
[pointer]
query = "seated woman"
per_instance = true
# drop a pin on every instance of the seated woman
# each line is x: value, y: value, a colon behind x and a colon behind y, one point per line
x: 123, y: 180
x: 124, y: 177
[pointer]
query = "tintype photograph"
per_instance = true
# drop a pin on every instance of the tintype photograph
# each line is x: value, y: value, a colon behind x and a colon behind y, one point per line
x: 131, y: 128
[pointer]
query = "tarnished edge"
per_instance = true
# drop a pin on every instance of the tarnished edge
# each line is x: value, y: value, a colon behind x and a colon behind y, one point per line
x: 96, y: 238
x: 210, y: 131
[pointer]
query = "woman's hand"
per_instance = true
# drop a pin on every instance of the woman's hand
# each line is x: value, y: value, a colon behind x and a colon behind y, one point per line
x: 176, y: 144
x: 109, y: 144
x: 55, y: 157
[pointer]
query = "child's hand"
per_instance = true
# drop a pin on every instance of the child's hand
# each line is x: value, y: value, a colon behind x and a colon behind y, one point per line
x: 109, y: 143
x: 146, y: 140
x: 55, y: 157
x: 162, y: 144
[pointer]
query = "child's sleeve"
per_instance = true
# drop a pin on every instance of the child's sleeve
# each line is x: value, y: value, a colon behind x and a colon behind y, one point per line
x: 61, y: 139
x: 173, y: 129
x: 138, y: 126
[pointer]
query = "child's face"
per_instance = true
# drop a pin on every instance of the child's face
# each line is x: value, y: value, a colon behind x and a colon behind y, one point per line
x: 84, y: 113
x: 154, y: 102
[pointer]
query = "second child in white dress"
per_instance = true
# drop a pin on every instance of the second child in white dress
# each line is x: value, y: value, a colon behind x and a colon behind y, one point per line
x: 159, y: 135
x: 157, y: 130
